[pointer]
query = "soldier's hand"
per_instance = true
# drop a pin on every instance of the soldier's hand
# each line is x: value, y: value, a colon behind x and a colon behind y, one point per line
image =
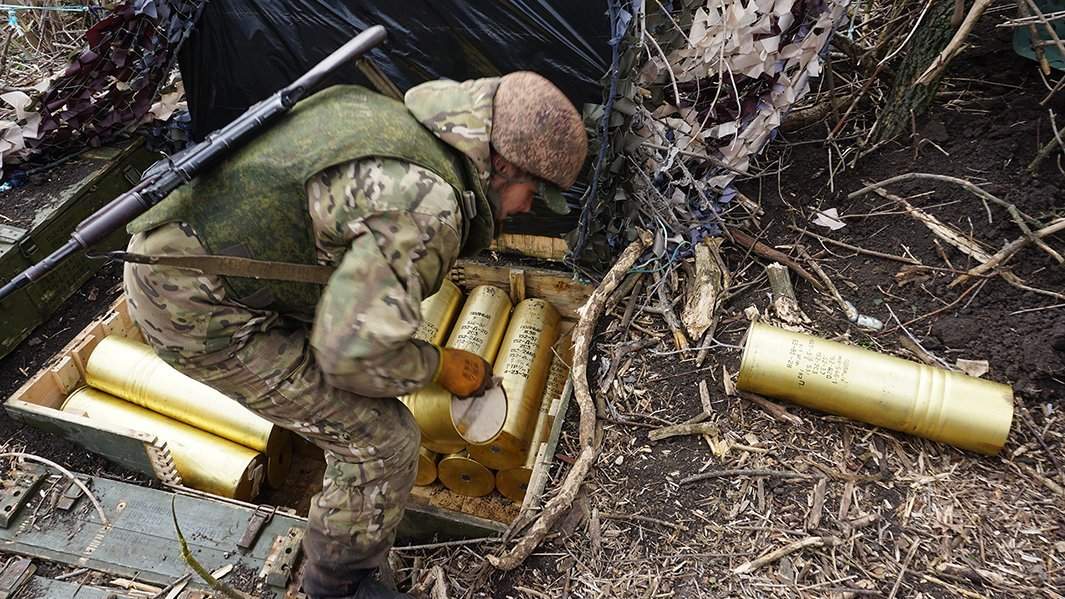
x: 463, y: 373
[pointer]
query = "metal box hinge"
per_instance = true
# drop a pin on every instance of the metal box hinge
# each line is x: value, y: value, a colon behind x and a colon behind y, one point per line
x: 13, y: 498
x: 281, y: 563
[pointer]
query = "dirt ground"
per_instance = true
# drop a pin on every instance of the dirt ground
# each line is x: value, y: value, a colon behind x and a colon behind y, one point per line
x: 867, y: 512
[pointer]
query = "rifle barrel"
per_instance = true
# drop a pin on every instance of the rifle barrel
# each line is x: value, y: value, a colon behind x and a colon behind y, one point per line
x: 197, y: 159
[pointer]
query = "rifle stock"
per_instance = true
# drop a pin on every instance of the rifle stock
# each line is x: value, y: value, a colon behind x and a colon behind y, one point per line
x: 196, y: 160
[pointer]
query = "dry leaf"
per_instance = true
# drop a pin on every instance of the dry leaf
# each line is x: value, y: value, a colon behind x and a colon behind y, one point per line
x: 830, y: 219
x: 976, y: 368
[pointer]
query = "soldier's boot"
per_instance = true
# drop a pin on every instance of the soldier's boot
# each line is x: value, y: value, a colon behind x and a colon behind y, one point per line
x: 358, y: 584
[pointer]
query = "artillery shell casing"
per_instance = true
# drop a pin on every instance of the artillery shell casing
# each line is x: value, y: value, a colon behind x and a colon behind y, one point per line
x: 523, y: 363
x: 465, y: 476
x: 205, y: 461
x: 857, y: 383
x: 438, y: 313
x: 133, y: 372
x: 479, y: 329
x: 514, y: 482
x: 426, y: 467
x: 482, y: 322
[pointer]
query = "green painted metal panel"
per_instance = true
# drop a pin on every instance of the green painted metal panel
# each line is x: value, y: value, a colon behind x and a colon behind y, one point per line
x: 140, y: 542
x: 115, y: 170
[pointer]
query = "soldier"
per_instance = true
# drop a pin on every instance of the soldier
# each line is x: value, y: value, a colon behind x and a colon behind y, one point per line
x: 383, y: 197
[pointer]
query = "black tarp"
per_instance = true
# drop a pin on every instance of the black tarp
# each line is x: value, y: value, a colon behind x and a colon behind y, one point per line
x: 243, y: 50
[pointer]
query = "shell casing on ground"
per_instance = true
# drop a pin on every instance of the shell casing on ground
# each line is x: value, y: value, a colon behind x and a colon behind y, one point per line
x: 523, y: 363
x: 465, y: 476
x: 205, y: 461
x: 133, y: 372
x: 933, y: 403
x: 514, y: 482
x: 479, y: 329
x: 426, y: 467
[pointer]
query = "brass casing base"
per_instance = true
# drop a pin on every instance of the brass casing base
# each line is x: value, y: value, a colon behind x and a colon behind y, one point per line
x: 426, y: 467
x: 913, y: 398
x: 465, y: 476
x: 205, y: 461
x: 513, y: 483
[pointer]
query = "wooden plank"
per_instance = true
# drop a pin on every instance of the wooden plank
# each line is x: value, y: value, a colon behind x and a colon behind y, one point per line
x: 125, y: 447
x: 424, y: 523
x: 539, y: 477
x: 40, y: 587
x: 534, y: 246
x: 566, y: 294
x: 140, y: 542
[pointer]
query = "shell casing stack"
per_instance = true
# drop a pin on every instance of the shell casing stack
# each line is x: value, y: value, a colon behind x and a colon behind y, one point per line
x: 205, y: 461
x: 857, y: 383
x: 479, y: 329
x: 523, y: 363
x: 465, y: 476
x: 514, y: 482
x: 131, y: 371
x: 426, y: 467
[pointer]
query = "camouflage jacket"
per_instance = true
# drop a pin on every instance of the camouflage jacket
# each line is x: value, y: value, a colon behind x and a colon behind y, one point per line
x: 392, y: 229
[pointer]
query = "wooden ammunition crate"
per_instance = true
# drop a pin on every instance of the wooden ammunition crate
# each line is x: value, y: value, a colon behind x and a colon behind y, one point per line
x: 433, y: 511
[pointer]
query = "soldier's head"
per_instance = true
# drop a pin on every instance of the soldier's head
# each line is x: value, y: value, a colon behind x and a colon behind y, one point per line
x: 538, y: 145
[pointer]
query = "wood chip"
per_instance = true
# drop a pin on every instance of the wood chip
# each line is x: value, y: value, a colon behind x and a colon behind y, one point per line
x: 680, y: 430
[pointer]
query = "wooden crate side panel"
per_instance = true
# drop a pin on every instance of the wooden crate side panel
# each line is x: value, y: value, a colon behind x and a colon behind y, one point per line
x: 122, y: 446
x: 423, y: 523
x: 546, y: 452
x: 534, y: 246
x: 566, y: 294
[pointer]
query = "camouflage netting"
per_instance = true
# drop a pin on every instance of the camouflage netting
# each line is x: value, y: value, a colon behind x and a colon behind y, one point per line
x: 108, y: 88
x: 702, y: 87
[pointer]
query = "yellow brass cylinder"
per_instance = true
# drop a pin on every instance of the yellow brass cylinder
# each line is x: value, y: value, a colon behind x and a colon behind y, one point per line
x: 479, y: 329
x: 857, y: 383
x: 426, y: 467
x: 204, y: 461
x: 465, y: 476
x: 482, y: 322
x: 514, y: 482
x: 438, y: 313
x: 523, y: 363
x: 132, y: 371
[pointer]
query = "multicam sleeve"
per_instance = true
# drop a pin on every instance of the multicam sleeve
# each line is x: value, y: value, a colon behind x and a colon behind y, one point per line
x: 398, y: 225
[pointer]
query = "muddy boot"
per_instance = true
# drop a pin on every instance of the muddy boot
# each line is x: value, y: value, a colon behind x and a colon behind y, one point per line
x: 358, y: 584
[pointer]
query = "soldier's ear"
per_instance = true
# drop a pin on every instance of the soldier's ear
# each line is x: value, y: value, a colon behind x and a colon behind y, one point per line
x: 503, y: 166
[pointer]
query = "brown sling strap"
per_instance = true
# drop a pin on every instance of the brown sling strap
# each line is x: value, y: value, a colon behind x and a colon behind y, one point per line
x: 235, y: 266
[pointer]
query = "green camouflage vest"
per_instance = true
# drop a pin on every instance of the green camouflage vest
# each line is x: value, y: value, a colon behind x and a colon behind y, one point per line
x: 254, y: 204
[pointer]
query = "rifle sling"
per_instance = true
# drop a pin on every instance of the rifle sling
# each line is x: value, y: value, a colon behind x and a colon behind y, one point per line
x: 235, y: 266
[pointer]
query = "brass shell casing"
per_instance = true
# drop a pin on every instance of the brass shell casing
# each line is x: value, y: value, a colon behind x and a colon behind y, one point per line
x: 479, y: 329
x: 426, y: 467
x: 438, y: 313
x: 905, y: 396
x: 132, y: 371
x: 523, y: 363
x: 482, y: 322
x: 465, y: 476
x: 205, y: 461
x: 514, y: 482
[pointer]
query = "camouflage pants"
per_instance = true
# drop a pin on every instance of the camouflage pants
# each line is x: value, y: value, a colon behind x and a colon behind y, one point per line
x: 264, y: 361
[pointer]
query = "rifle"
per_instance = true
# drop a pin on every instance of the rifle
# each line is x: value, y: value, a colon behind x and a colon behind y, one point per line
x: 200, y: 157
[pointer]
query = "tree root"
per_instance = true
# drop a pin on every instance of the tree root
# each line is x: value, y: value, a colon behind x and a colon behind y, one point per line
x: 582, y: 340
